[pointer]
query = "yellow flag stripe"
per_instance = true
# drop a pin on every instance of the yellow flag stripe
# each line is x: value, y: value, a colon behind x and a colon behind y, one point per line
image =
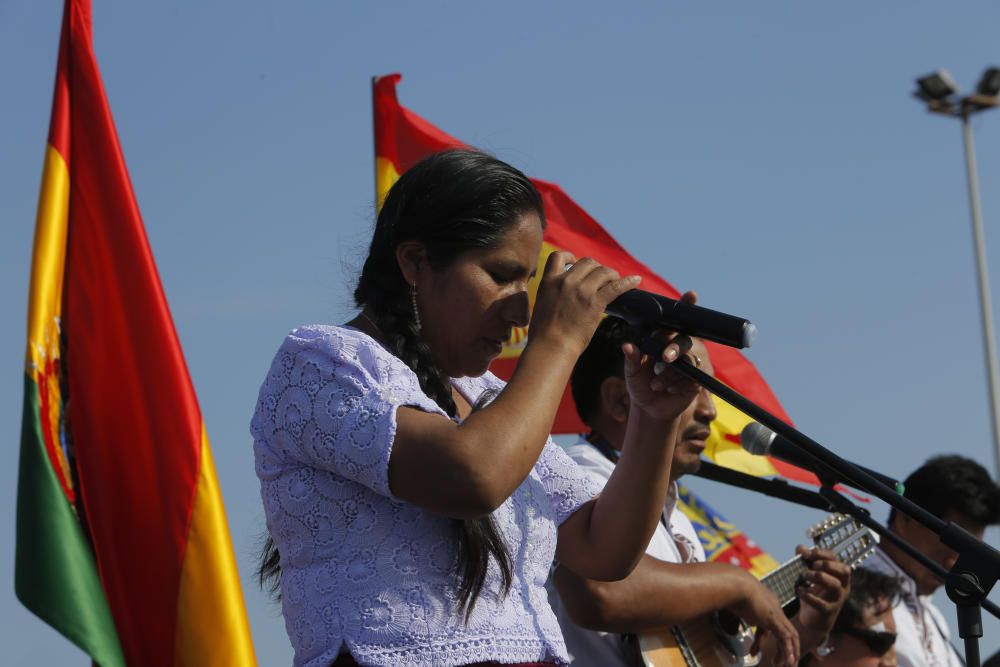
x: 210, y: 603
x: 385, y: 176
x: 723, y: 445
x: 48, y: 262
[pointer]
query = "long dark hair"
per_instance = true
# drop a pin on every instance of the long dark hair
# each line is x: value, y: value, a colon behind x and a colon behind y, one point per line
x: 451, y: 202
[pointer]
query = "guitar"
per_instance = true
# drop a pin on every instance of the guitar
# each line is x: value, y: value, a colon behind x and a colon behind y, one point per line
x: 717, y: 641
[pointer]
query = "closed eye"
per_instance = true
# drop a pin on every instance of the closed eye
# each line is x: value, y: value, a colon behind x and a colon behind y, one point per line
x: 506, y: 273
x: 500, y: 279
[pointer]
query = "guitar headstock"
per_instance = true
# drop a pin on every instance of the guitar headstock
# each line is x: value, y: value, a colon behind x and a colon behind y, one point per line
x: 849, y: 541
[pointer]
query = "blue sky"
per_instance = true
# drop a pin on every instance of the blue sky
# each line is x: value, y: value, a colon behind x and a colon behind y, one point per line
x: 767, y: 154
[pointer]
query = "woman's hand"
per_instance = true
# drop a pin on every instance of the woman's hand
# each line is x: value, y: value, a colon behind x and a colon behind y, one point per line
x: 572, y: 296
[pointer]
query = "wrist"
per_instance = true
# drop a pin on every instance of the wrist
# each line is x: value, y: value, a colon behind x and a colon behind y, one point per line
x: 744, y: 583
x: 550, y: 343
x: 648, y: 420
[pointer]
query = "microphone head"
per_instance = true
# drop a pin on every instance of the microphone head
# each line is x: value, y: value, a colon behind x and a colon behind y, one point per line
x: 757, y: 438
x: 749, y: 334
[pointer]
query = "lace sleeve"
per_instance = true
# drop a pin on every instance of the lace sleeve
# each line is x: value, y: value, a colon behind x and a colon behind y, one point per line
x: 330, y: 402
x: 567, y: 485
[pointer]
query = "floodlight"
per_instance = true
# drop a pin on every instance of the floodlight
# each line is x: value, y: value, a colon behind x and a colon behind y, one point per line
x: 989, y: 84
x: 937, y: 86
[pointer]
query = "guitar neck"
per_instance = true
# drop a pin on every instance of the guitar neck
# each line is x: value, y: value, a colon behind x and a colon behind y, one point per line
x: 782, y: 582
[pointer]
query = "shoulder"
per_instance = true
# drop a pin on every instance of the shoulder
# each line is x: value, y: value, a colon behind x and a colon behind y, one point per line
x: 319, y: 349
x: 335, y: 342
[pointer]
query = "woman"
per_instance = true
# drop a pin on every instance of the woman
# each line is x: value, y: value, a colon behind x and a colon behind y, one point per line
x: 412, y: 530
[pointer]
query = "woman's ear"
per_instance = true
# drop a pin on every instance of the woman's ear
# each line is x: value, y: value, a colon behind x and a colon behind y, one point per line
x: 411, y: 256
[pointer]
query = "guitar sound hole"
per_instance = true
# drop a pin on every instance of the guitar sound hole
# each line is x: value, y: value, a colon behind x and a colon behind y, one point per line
x: 728, y: 622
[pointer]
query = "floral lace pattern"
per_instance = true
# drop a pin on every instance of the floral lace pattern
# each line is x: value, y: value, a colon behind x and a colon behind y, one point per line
x: 364, y: 569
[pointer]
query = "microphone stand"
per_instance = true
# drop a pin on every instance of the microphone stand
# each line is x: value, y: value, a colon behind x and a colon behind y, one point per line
x: 978, y: 565
x: 776, y: 488
x: 841, y: 504
x: 827, y: 499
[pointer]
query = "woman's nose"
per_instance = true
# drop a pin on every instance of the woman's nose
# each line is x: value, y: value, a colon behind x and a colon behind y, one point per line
x: 517, y: 309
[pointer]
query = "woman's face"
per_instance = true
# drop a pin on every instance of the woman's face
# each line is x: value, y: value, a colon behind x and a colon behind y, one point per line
x: 467, y: 310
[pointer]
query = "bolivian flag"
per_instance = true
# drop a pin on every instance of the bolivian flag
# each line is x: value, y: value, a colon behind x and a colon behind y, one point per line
x: 122, y: 541
x: 402, y: 138
x: 723, y: 541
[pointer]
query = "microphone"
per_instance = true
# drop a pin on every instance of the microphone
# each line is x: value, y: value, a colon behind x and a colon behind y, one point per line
x: 758, y: 439
x: 645, y: 309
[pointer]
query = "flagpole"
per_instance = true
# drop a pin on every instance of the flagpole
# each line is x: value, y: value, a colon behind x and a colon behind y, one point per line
x: 941, y: 96
x: 374, y: 146
x: 983, y: 281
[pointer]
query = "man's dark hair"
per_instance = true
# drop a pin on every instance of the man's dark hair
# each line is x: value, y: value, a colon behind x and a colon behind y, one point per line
x: 868, y: 589
x: 602, y: 359
x: 953, y: 483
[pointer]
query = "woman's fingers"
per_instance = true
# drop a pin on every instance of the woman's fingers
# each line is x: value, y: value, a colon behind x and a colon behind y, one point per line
x: 617, y: 286
x: 594, y: 279
x: 557, y: 263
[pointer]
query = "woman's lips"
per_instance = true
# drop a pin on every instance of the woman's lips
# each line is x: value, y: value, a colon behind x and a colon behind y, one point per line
x: 496, y: 344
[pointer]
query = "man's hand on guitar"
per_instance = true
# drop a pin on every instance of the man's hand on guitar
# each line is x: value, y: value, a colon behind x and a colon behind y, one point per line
x: 761, y: 609
x: 822, y: 593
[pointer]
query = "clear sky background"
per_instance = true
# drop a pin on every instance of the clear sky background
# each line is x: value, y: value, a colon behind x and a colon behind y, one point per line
x: 767, y: 154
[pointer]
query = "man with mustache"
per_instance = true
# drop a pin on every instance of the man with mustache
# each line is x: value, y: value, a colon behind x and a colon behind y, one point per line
x: 672, y: 584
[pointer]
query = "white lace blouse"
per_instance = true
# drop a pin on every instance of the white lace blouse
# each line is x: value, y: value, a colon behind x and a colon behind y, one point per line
x: 363, y: 569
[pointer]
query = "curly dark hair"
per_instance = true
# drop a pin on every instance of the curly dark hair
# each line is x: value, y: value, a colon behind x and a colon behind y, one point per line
x: 953, y: 483
x: 868, y: 589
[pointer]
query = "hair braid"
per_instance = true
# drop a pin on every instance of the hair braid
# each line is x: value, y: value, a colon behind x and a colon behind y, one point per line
x: 394, y: 317
x: 478, y: 539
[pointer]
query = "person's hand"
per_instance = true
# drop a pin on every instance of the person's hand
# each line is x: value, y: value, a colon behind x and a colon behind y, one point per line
x: 654, y: 387
x: 761, y: 609
x: 572, y: 296
x: 823, y: 592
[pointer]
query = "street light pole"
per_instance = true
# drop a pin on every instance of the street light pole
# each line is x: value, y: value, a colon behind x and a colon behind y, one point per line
x: 985, y: 303
x: 940, y: 93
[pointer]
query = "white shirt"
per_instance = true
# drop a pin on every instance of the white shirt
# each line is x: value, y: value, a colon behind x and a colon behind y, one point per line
x: 922, y: 636
x: 588, y: 648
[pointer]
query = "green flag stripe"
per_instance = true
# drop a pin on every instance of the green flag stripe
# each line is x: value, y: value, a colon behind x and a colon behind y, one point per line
x: 55, y: 575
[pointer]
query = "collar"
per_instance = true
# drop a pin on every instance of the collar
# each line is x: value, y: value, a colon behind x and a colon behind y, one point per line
x: 603, y: 446
x: 671, y: 503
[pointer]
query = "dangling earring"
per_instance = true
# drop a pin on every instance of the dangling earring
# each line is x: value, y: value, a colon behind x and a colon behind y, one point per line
x: 413, y: 300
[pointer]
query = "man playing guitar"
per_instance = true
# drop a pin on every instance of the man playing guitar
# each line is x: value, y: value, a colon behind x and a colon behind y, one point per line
x: 672, y: 584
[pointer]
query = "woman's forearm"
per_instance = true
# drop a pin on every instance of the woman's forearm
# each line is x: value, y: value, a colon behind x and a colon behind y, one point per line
x: 611, y: 533
x: 468, y: 470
